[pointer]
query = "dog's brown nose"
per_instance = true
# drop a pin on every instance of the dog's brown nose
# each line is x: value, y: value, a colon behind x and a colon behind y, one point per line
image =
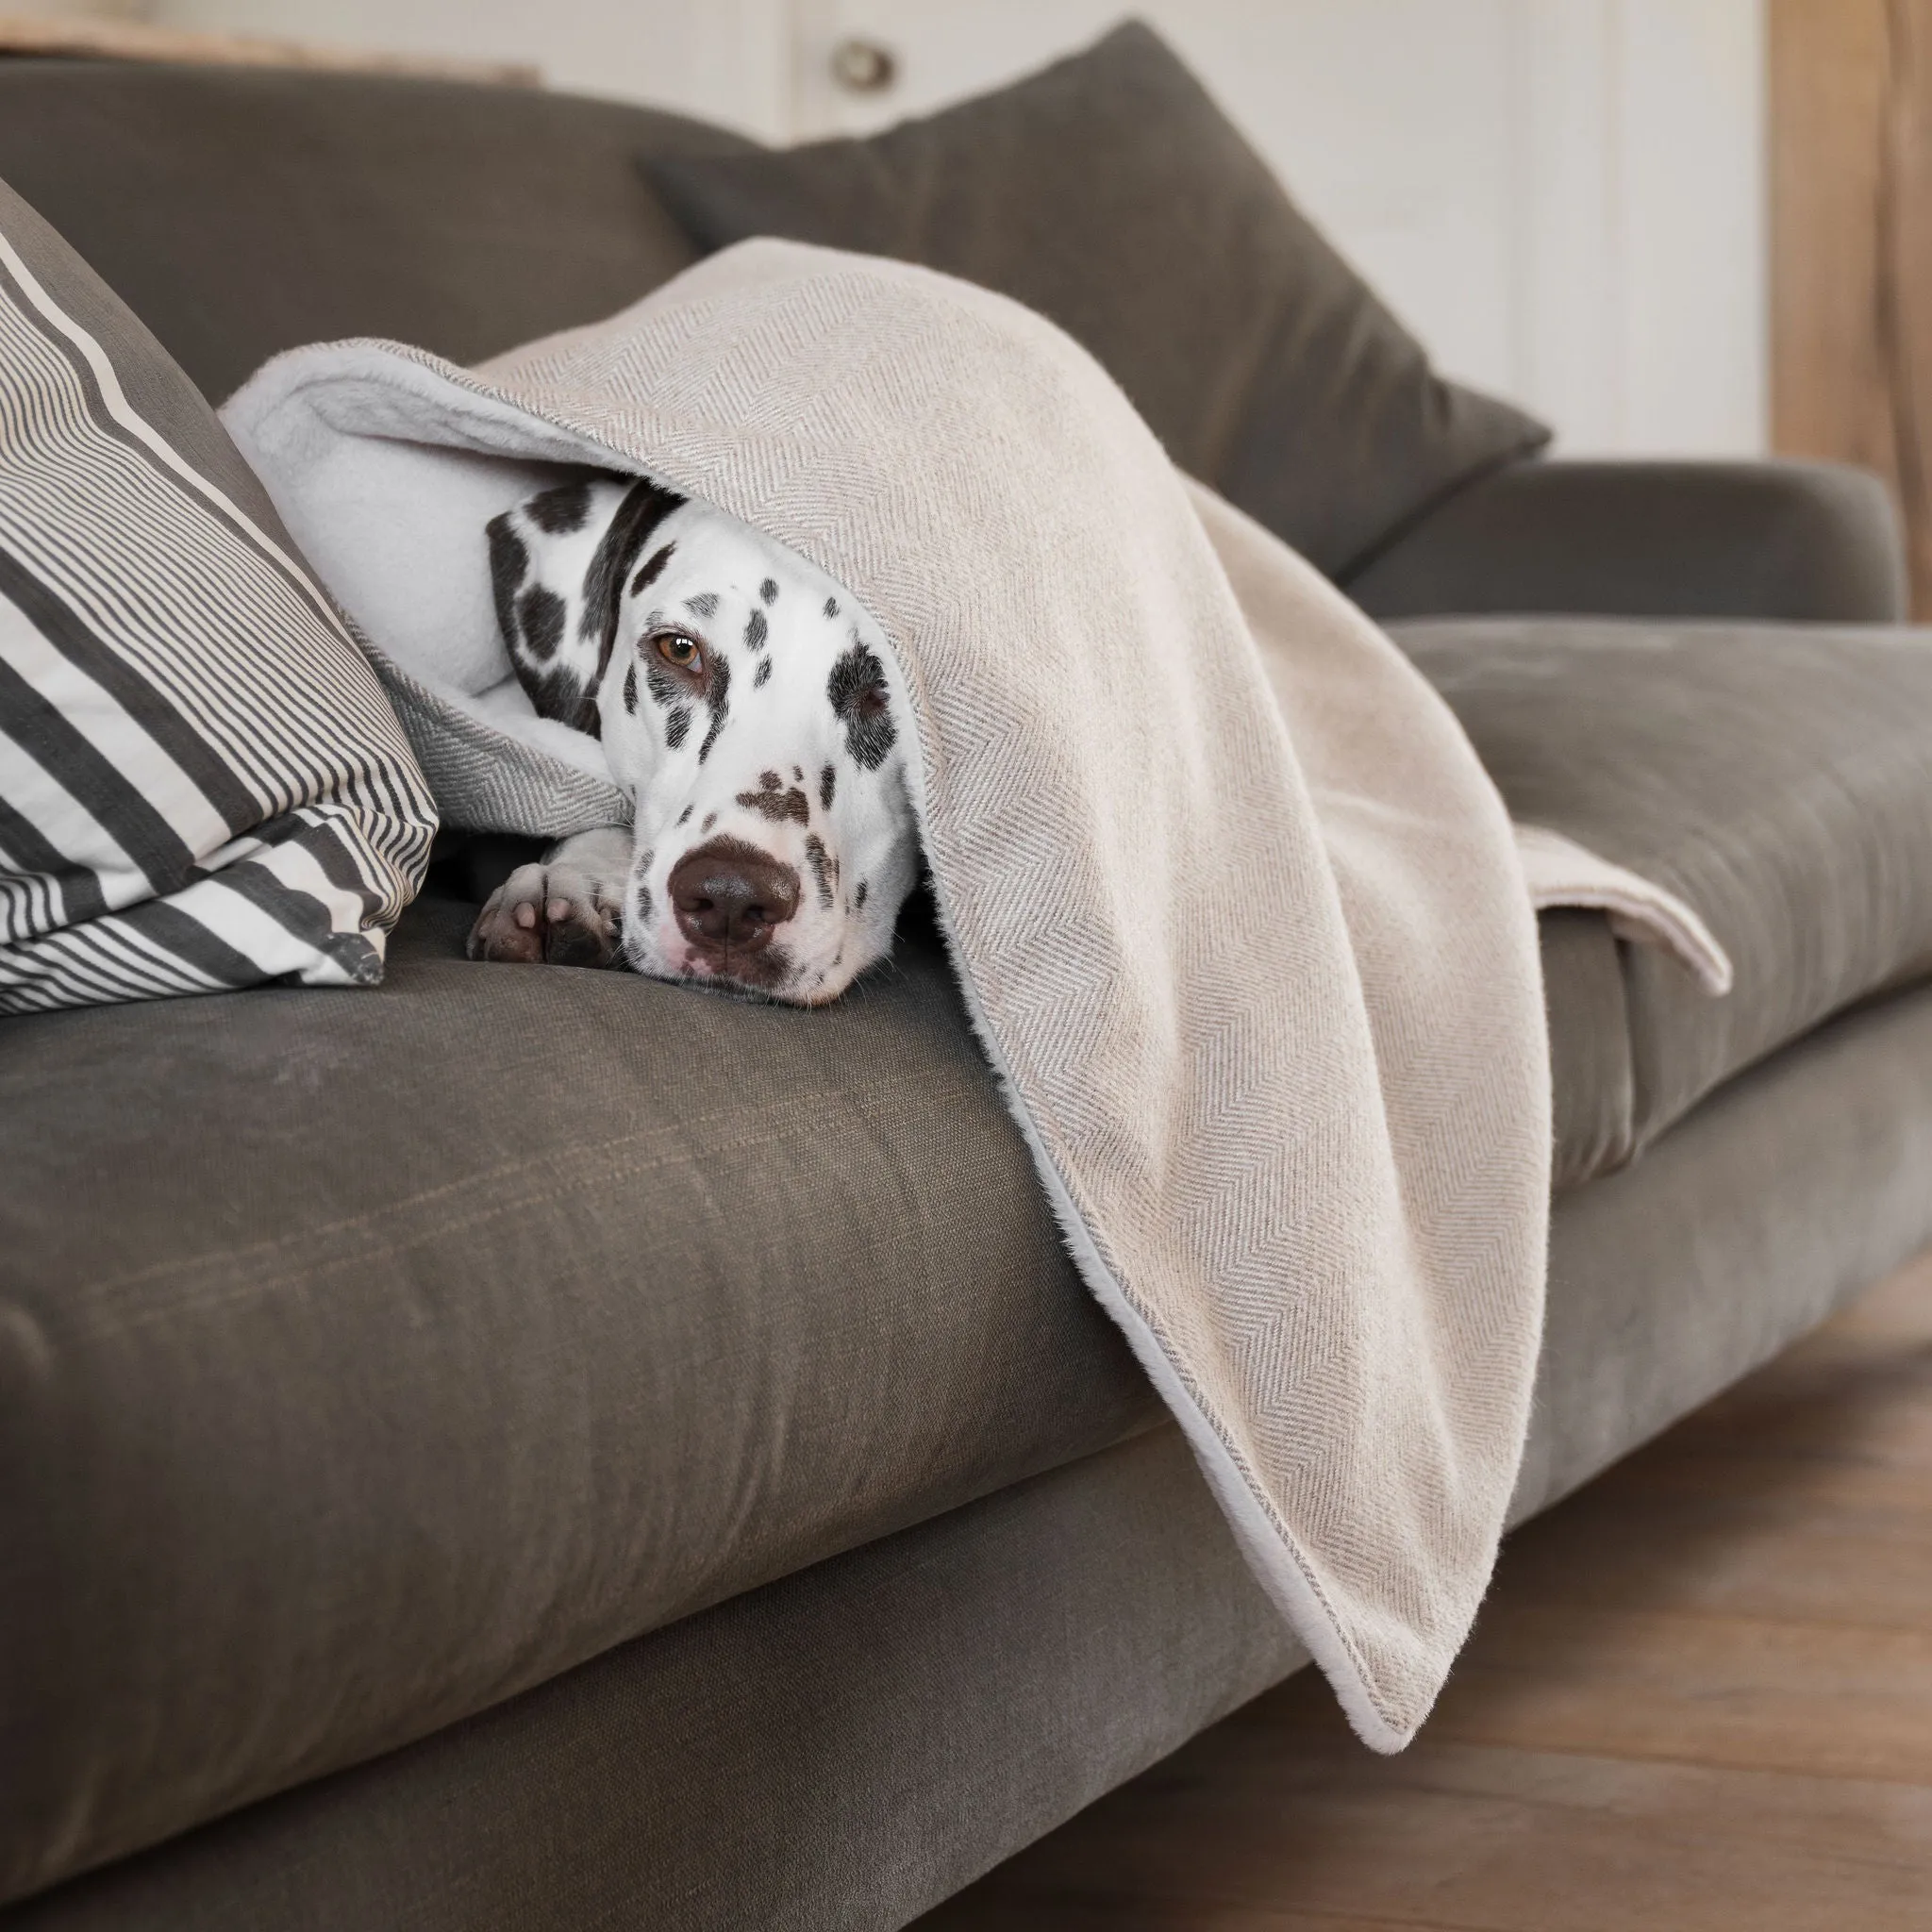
x: 730, y: 897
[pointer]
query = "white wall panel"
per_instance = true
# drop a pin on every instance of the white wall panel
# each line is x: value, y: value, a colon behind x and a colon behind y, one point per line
x: 724, y: 60
x: 1693, y: 201
x: 1564, y: 198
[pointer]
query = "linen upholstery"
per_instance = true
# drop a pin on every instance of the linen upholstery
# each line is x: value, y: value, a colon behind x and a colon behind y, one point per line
x: 1806, y: 542
x: 854, y: 1743
x: 510, y: 1327
x: 243, y: 211
x: 1789, y: 1190
x: 1590, y: 1045
x: 839, y: 1750
x: 202, y: 785
x: 1110, y: 193
x: 1777, y: 777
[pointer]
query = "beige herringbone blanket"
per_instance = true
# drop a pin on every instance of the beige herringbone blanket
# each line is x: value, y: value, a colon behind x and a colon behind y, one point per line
x: 1237, y: 912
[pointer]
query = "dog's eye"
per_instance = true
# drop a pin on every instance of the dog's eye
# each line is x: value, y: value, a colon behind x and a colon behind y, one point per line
x: 675, y: 648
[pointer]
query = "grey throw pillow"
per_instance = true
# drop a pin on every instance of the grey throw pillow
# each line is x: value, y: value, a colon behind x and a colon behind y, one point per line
x: 1111, y: 195
x: 202, y: 784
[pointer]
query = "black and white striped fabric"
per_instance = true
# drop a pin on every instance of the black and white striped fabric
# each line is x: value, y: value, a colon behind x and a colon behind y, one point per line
x: 202, y: 785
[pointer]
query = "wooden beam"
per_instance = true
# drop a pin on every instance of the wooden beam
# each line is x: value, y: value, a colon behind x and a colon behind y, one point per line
x: 127, y: 39
x: 1851, y: 222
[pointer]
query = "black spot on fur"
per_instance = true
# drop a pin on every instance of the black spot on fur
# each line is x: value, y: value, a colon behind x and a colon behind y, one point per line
x: 653, y: 568
x: 756, y: 631
x: 816, y: 857
x: 676, y: 726
x: 763, y: 672
x: 831, y: 606
x: 534, y: 625
x: 684, y: 817
x: 643, y: 902
x: 542, y: 612
x: 798, y: 772
x: 710, y: 820
x: 645, y: 506
x: 703, y: 605
x: 630, y: 690
x: 858, y: 691
x: 779, y: 806
x: 558, y: 511
x: 718, y: 697
x: 828, y: 780
x: 769, y: 591
x: 510, y: 562
x: 558, y: 694
x: 665, y: 685
x: 858, y: 897
x: 769, y: 781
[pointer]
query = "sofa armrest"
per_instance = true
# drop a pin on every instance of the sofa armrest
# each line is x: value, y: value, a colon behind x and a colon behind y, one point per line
x: 1781, y: 539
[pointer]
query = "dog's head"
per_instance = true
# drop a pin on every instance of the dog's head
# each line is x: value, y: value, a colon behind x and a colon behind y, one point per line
x: 752, y: 710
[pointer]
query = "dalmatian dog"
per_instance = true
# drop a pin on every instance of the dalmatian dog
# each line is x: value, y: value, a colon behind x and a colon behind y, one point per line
x: 752, y: 710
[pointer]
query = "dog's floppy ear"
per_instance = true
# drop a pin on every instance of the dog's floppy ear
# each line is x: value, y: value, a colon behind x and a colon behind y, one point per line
x: 535, y: 577
x: 556, y: 608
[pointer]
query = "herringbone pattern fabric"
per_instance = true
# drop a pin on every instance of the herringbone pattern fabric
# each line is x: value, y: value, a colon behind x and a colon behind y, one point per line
x: 1259, y: 970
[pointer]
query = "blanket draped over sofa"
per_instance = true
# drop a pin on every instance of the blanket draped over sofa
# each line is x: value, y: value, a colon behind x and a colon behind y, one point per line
x: 1237, y: 913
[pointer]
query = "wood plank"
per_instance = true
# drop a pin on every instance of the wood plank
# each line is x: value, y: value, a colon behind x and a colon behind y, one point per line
x: 1737, y: 1691
x: 1255, y: 1826
x: 1027, y: 1914
x: 1773, y: 1554
x: 1851, y: 247
x: 1829, y: 63
x: 1700, y: 1698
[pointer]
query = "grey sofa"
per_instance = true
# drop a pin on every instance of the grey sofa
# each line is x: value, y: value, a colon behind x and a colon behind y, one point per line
x: 377, y: 1550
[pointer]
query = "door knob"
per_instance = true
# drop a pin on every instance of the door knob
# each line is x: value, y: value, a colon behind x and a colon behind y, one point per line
x: 864, y: 67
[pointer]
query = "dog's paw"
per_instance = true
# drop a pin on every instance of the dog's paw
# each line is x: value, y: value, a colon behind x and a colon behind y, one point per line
x: 548, y: 914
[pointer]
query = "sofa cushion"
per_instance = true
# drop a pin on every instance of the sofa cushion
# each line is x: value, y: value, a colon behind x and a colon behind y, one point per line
x: 201, y: 783
x: 240, y: 212
x: 366, y: 1361
x: 1112, y: 194
x: 1778, y: 777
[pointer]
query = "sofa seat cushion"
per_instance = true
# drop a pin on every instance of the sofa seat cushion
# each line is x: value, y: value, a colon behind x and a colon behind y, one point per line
x: 367, y: 1359
x: 1778, y: 777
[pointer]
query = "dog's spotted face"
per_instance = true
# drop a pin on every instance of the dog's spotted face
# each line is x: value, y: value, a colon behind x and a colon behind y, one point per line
x: 752, y: 710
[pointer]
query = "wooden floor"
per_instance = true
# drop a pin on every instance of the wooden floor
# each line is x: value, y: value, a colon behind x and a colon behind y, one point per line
x: 1699, y: 1696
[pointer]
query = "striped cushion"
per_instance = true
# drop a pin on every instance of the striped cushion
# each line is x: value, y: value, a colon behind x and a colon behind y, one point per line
x: 202, y: 785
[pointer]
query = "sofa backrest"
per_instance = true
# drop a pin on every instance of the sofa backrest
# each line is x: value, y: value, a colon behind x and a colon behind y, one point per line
x: 240, y: 212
